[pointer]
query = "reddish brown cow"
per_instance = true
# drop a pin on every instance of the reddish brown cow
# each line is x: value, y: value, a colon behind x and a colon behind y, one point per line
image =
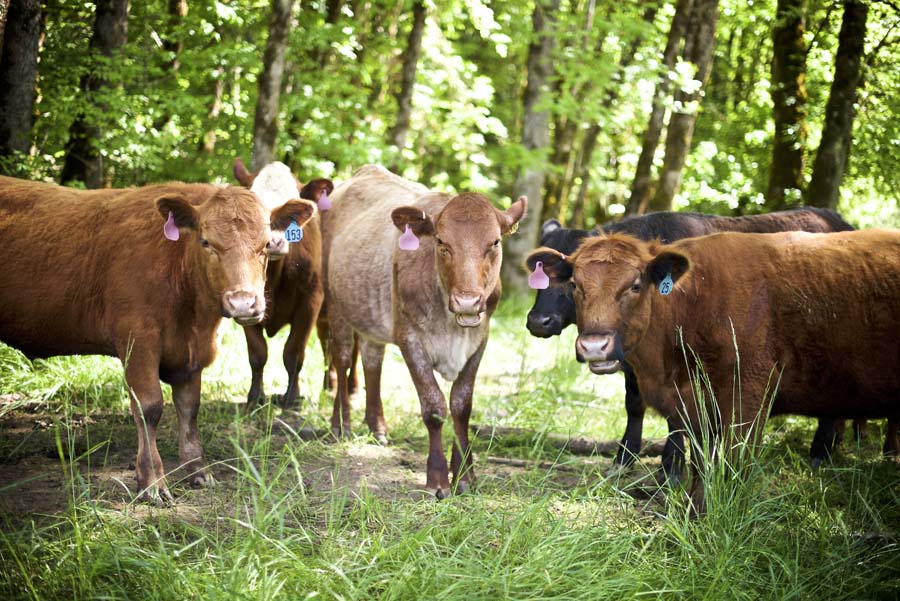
x: 434, y: 302
x: 109, y: 282
x: 293, y: 279
x: 815, y: 315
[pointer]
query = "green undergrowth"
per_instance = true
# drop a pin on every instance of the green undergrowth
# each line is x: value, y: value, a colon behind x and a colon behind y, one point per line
x: 302, y: 519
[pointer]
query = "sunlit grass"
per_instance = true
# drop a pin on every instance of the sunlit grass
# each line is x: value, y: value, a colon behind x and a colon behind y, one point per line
x: 292, y: 519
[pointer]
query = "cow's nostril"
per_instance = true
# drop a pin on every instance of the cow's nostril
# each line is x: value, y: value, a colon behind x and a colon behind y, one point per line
x: 546, y: 320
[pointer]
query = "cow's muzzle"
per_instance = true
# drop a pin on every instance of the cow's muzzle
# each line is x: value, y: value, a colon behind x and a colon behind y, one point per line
x: 245, y: 307
x: 468, y: 309
x: 544, y: 325
x: 277, y: 247
x: 599, y: 352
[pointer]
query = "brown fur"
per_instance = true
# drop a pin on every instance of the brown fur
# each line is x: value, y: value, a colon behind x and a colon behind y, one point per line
x: 294, y: 291
x: 820, y: 311
x: 419, y: 300
x: 90, y: 272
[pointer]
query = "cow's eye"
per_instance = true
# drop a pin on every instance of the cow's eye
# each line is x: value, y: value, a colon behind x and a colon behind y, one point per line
x: 636, y: 287
x: 439, y: 241
x: 204, y: 242
x: 497, y: 242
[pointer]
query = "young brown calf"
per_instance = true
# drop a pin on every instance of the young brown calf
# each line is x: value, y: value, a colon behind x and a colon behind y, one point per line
x: 815, y: 314
x: 142, y: 274
x: 294, y: 287
x: 434, y: 300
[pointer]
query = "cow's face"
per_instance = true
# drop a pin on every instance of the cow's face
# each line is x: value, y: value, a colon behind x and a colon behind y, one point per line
x: 554, y: 307
x: 229, y: 233
x: 467, y: 246
x: 275, y: 185
x: 613, y: 279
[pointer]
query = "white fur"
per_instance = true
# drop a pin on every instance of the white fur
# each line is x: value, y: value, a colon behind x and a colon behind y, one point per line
x: 275, y: 185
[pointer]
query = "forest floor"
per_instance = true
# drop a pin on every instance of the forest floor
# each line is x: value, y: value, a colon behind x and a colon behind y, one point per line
x: 292, y: 515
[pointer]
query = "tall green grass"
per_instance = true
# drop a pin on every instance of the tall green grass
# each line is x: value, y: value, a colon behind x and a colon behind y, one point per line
x: 275, y: 527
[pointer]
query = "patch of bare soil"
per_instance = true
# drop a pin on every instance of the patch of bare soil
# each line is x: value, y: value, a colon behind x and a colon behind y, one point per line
x: 38, y: 477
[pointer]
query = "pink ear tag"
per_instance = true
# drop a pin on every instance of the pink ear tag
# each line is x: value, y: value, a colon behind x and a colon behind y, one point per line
x: 170, y: 230
x: 538, y: 279
x: 324, y: 203
x: 408, y: 240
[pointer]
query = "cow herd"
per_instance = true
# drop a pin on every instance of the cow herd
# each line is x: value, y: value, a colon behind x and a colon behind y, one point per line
x: 716, y: 322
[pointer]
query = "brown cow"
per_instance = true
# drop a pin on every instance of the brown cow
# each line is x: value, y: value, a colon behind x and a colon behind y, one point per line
x: 92, y: 272
x: 434, y: 302
x: 293, y: 279
x: 816, y: 315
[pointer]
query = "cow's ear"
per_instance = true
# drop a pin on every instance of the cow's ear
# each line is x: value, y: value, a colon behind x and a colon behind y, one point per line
x: 509, y: 219
x: 667, y: 264
x: 555, y: 264
x: 183, y: 214
x: 300, y: 211
x: 551, y: 225
x: 418, y: 221
x: 241, y: 174
x: 313, y: 189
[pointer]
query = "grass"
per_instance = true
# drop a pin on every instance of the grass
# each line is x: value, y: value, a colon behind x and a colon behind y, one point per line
x: 292, y: 519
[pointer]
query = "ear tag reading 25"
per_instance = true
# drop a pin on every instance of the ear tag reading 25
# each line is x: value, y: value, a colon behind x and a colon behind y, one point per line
x: 294, y: 233
x: 665, y: 286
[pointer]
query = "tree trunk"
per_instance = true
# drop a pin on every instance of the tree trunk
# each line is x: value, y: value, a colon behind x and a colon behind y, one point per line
x: 83, y: 161
x: 535, y: 138
x: 397, y: 135
x: 698, y: 49
x: 18, y: 77
x: 173, y: 45
x: 789, y: 104
x: 208, y: 143
x: 640, y: 188
x: 834, y: 149
x: 265, y: 126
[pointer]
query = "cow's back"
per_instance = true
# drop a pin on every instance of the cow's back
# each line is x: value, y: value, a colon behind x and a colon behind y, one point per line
x: 74, y: 265
x: 825, y: 308
x: 359, y: 240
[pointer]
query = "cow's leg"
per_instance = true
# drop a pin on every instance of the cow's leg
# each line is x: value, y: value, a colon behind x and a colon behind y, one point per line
x: 673, y: 453
x: 891, y: 442
x: 186, y: 397
x: 635, y: 409
x: 142, y: 379
x: 461, y: 409
x: 824, y: 441
x: 353, y: 378
x: 258, y: 352
x: 295, y: 347
x: 330, y: 381
x: 340, y: 342
x: 372, y: 358
x: 434, y: 413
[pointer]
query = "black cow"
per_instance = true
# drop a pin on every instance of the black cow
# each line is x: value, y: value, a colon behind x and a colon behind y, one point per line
x: 554, y: 307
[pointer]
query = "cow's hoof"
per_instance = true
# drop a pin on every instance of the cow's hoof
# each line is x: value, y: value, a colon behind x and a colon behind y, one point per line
x: 158, y: 496
x: 381, y: 438
x: 815, y: 462
x: 463, y: 487
x: 438, y: 493
x: 672, y: 480
x: 201, y: 480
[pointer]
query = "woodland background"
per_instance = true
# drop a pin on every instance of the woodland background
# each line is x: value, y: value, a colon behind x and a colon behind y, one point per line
x: 592, y: 109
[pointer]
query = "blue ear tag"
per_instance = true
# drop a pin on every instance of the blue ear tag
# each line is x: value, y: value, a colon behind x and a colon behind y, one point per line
x: 665, y: 286
x: 294, y: 233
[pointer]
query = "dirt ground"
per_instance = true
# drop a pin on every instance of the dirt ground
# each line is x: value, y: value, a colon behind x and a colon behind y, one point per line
x: 35, y: 481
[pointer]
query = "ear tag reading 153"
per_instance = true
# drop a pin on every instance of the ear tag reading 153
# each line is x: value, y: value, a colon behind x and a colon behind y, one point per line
x: 408, y: 240
x: 665, y: 286
x: 294, y: 233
